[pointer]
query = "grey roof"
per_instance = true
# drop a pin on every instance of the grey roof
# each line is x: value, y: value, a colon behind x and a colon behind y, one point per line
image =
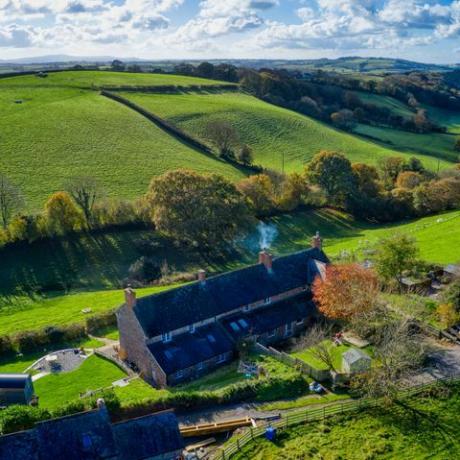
x: 18, y: 381
x: 354, y: 354
x: 82, y: 436
x: 220, y: 294
x: 453, y: 269
x: 270, y: 318
x: 186, y: 350
x: 148, y: 436
x: 91, y: 436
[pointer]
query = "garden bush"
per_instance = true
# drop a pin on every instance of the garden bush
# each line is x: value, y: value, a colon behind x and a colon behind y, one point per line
x: 101, y: 321
x: 18, y: 418
x: 6, y: 346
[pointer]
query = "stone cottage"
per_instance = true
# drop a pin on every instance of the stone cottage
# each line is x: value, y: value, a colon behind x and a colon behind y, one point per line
x: 183, y: 333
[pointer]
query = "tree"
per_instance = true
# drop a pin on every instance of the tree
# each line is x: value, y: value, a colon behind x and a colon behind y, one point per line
x: 394, y: 255
x: 245, y: 155
x: 200, y: 210
x: 390, y: 168
x: 258, y: 191
x: 333, y: 173
x: 294, y: 191
x: 409, y: 180
x: 366, y: 179
x: 85, y: 191
x: 62, y: 215
x: 224, y: 136
x: 317, y: 341
x: 117, y: 65
x: 400, y: 352
x: 205, y: 70
x: 457, y: 144
x: 11, y: 200
x: 347, y: 290
x: 344, y: 119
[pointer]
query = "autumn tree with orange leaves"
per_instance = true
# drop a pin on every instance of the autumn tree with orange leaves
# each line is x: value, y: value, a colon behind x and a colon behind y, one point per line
x: 347, y: 291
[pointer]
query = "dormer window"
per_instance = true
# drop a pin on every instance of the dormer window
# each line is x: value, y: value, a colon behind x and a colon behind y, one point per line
x: 192, y: 328
x: 166, y: 337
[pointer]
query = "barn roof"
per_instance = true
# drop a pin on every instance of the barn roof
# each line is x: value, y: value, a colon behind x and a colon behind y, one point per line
x: 186, y: 350
x: 12, y: 381
x: 198, y: 301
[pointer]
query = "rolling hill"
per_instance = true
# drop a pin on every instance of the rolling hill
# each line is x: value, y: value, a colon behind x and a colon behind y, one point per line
x: 270, y: 130
x: 55, y: 127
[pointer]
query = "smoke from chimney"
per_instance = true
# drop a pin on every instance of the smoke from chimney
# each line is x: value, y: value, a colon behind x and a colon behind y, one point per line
x: 267, y: 234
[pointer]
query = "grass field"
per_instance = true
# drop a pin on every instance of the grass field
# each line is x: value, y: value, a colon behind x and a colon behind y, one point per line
x: 57, y: 133
x: 270, y: 130
x: 396, y: 107
x: 95, y: 373
x: 100, y: 262
x: 378, y: 434
x: 26, y: 313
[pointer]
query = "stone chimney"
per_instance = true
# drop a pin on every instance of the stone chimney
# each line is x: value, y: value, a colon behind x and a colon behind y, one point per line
x: 266, y: 258
x: 130, y: 297
x: 316, y: 241
x: 202, y: 275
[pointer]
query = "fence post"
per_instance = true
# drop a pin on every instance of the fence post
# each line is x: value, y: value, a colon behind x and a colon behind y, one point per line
x: 324, y: 413
x: 287, y: 421
x: 238, y: 443
x: 223, y: 454
x: 252, y: 433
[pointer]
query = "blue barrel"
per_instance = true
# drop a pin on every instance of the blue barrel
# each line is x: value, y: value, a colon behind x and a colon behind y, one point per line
x: 270, y: 433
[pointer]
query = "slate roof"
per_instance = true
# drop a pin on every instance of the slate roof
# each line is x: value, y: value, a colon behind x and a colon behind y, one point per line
x: 148, y: 436
x: 91, y: 436
x: 18, y: 381
x: 158, y: 313
x: 87, y: 435
x: 270, y: 318
x: 186, y: 350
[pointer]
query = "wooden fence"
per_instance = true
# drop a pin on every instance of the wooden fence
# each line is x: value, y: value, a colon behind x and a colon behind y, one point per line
x: 236, y: 443
x: 320, y: 375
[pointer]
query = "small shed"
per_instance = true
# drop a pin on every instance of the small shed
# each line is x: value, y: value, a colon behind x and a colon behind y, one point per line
x: 355, y: 361
x: 16, y: 389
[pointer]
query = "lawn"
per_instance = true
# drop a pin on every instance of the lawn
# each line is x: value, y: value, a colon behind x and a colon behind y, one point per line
x: 26, y: 313
x: 308, y: 356
x: 388, y: 102
x: 66, y: 132
x: 374, y: 434
x: 58, y: 389
x: 272, y: 132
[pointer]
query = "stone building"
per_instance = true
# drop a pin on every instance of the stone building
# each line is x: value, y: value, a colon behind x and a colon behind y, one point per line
x: 183, y: 333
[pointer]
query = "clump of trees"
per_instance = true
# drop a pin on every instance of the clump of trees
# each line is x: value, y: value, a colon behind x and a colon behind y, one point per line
x: 198, y: 210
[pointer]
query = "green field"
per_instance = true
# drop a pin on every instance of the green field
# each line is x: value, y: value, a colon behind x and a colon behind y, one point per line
x: 26, y: 313
x: 396, y: 107
x: 270, y: 130
x: 62, y: 131
x: 384, y: 433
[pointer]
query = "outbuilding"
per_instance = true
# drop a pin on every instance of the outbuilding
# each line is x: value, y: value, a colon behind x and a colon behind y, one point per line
x: 16, y: 389
x: 355, y: 361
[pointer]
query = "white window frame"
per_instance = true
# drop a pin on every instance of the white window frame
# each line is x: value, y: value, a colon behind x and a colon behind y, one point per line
x: 246, y: 308
x: 166, y: 337
x: 200, y: 366
x: 192, y: 328
x: 221, y: 358
x: 267, y: 301
x: 299, y: 321
x: 179, y: 374
x: 272, y: 333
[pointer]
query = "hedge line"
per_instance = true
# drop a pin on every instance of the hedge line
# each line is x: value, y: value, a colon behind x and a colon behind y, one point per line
x: 30, y: 341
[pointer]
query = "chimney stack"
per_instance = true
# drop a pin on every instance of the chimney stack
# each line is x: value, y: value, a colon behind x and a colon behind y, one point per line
x: 130, y: 297
x: 316, y: 241
x: 266, y: 258
x: 201, y: 275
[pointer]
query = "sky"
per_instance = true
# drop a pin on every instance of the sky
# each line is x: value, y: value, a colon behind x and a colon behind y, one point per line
x: 421, y: 30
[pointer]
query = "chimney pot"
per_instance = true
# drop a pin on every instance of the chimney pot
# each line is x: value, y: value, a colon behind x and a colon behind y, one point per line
x: 201, y: 275
x: 266, y: 258
x: 130, y: 297
x: 316, y: 241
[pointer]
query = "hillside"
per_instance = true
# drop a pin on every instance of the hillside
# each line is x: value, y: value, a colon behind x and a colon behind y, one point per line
x: 270, y: 130
x: 59, y: 130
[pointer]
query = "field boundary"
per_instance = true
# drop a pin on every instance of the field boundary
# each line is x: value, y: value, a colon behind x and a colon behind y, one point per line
x: 236, y: 443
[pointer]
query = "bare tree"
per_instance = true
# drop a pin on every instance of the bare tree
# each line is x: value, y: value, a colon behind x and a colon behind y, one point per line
x: 85, y: 191
x: 11, y: 200
x: 223, y: 135
x: 317, y: 343
x: 400, y: 352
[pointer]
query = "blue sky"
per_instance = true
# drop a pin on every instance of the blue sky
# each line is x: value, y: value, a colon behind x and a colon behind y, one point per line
x: 423, y: 30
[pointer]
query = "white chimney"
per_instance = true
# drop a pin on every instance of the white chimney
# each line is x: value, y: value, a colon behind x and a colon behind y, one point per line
x: 130, y: 297
x: 201, y: 275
